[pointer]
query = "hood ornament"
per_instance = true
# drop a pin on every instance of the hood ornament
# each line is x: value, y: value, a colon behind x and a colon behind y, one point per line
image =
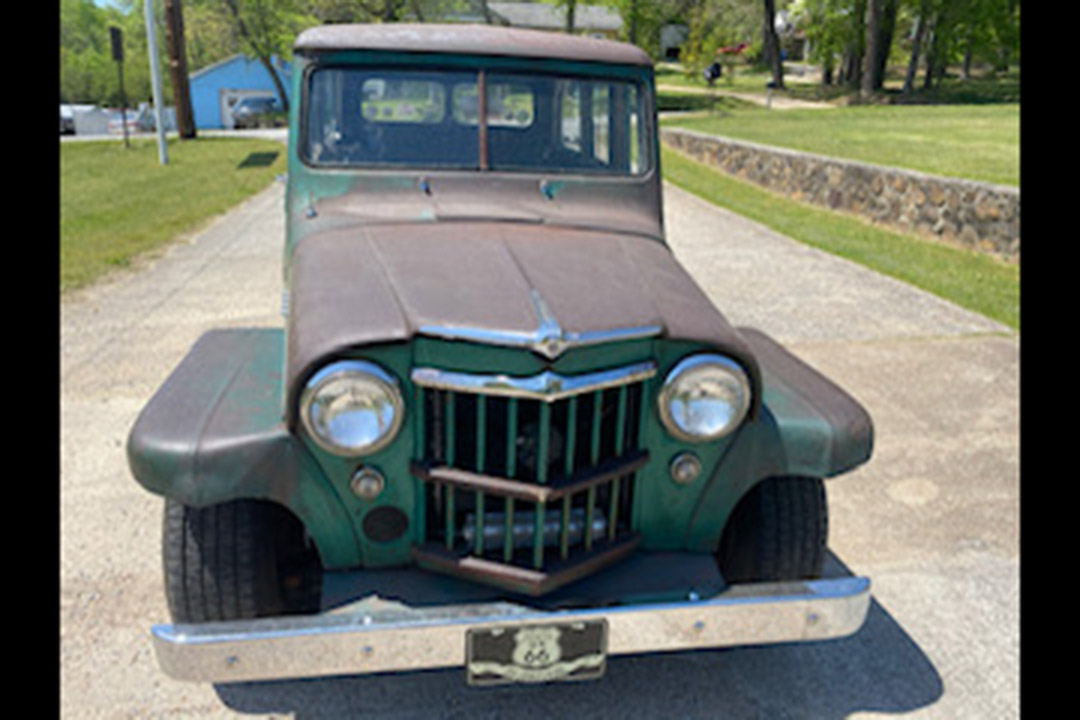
x: 548, y: 339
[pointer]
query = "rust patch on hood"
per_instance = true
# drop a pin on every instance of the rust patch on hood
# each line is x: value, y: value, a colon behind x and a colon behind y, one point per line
x: 387, y: 283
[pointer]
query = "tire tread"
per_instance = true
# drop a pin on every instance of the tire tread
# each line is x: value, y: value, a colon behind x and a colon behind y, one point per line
x: 779, y: 531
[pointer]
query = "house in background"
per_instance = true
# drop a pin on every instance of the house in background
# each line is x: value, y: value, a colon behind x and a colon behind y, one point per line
x: 216, y: 88
x: 672, y: 38
x: 592, y: 20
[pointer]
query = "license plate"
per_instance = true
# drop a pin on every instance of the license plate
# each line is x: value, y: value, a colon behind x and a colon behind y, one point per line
x: 536, y: 653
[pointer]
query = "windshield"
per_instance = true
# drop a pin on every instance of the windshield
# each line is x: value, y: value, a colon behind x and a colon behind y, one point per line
x: 430, y: 119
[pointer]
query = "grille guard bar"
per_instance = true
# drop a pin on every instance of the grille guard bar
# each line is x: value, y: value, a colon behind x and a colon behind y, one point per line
x: 361, y: 640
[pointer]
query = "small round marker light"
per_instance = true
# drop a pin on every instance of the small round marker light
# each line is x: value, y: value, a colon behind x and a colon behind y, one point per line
x: 367, y: 483
x: 685, y: 468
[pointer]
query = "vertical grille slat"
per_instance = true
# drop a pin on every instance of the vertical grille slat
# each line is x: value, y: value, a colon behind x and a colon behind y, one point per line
x: 450, y: 514
x: 543, y: 442
x: 539, y: 518
x: 478, y: 544
x: 613, y: 509
x: 571, y: 437
x: 564, y: 529
x: 590, y: 516
x: 500, y: 444
x: 450, y: 423
x: 511, y: 438
x: 597, y: 426
x: 481, y: 433
x: 508, y: 531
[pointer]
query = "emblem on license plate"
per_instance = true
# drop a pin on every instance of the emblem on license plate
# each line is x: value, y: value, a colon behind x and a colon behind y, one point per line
x: 537, y: 653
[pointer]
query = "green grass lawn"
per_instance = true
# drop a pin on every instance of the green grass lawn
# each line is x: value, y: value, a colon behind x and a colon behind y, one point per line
x: 117, y: 203
x: 976, y: 142
x: 965, y: 277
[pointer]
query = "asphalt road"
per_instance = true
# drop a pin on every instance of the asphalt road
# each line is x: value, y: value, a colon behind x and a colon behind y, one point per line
x: 933, y: 519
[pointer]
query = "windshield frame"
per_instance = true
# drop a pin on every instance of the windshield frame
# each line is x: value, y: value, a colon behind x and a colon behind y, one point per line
x: 638, y: 77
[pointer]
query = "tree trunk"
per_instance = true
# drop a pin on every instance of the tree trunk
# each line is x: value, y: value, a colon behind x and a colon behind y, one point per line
x: 916, y: 47
x: 278, y: 85
x: 870, y: 80
x: 852, y: 68
x: 930, y: 54
x: 486, y: 11
x: 856, y: 47
x: 174, y: 39
x: 889, y: 10
x: 969, y: 43
x: 772, y: 45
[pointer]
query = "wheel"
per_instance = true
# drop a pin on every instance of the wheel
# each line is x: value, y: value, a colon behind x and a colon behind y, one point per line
x: 778, y: 532
x: 238, y: 560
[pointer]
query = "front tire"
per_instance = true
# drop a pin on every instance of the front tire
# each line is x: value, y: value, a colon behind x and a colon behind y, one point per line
x: 237, y: 560
x: 778, y: 532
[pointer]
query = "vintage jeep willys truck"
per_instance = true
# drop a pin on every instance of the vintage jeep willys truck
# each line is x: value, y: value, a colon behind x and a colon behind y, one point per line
x: 502, y: 427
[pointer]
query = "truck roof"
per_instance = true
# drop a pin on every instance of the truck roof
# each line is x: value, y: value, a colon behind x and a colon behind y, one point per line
x: 469, y: 39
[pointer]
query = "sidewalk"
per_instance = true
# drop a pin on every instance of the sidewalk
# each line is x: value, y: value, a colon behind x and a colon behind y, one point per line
x: 779, y: 101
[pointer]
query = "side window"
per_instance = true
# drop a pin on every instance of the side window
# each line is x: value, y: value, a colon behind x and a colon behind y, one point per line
x: 570, y: 130
x: 585, y: 119
x: 403, y: 101
x: 508, y: 105
x: 638, y: 154
x: 601, y: 122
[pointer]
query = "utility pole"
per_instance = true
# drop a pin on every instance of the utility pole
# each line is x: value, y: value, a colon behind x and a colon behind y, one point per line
x: 151, y: 42
x: 174, y: 38
x: 116, y: 37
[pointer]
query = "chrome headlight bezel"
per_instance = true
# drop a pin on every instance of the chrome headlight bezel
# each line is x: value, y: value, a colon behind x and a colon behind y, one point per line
x: 373, y: 379
x: 691, y: 368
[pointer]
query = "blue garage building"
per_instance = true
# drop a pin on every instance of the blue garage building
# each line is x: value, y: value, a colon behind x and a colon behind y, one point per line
x: 216, y: 88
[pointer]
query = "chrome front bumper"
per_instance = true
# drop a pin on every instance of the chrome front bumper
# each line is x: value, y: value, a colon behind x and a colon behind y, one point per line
x: 383, y: 637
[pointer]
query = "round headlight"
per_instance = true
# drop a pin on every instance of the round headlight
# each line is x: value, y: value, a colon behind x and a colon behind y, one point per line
x: 352, y: 408
x: 704, y: 398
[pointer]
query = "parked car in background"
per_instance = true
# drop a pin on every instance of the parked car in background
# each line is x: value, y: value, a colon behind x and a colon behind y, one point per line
x: 260, y: 111
x: 118, y: 119
x: 67, y: 120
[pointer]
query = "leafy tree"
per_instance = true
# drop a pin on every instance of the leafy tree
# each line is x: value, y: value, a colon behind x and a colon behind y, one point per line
x: 266, y: 29
x: 715, y: 24
x: 835, y: 30
x: 88, y: 73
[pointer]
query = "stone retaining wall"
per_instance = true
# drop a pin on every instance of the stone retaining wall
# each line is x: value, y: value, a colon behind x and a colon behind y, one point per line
x: 973, y: 214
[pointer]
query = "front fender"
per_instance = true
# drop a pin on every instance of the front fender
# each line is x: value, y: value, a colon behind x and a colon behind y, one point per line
x: 808, y: 427
x: 214, y: 432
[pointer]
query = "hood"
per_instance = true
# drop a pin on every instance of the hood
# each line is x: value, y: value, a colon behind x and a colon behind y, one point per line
x: 536, y: 286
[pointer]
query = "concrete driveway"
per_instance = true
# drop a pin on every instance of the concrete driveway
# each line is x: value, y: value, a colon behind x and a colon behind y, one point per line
x: 933, y: 519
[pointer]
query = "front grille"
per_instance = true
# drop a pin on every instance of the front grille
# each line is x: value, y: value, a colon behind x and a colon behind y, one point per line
x: 524, y: 489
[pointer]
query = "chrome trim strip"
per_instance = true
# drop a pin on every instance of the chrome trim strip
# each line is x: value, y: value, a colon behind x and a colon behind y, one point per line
x: 549, y: 339
x: 547, y: 386
x: 365, y: 639
x: 548, y: 345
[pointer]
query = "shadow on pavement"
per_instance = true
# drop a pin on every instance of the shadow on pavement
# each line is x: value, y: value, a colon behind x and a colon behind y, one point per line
x: 879, y: 669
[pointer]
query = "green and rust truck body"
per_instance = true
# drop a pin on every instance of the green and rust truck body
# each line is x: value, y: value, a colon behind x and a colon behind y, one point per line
x: 497, y: 399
